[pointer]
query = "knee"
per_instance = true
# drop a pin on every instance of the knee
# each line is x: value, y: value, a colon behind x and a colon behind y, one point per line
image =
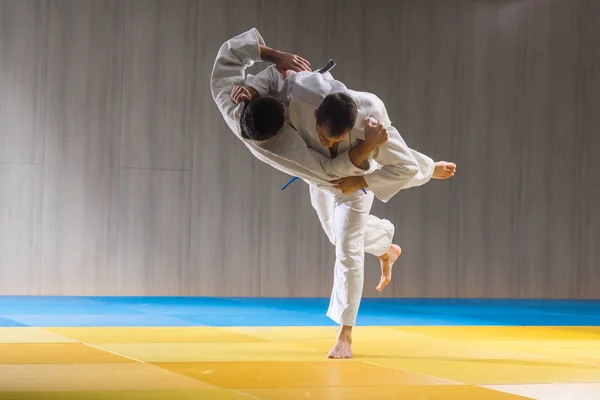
x: 350, y: 257
x: 350, y: 244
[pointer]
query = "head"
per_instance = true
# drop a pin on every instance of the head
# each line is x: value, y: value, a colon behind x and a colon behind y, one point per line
x: 335, y: 117
x: 262, y: 118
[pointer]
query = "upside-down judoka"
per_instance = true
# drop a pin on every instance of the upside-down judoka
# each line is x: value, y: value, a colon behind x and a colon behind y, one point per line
x: 330, y: 121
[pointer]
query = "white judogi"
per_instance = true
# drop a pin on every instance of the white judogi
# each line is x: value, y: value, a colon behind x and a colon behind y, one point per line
x: 346, y: 219
x: 394, y: 166
x: 287, y: 151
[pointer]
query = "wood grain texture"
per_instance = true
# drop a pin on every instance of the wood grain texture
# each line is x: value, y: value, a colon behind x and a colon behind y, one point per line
x: 154, y: 233
x: 587, y: 204
x: 146, y: 191
x: 23, y: 33
x: 292, y: 243
x: 158, y: 84
x: 226, y: 194
x: 81, y: 168
x: 20, y: 239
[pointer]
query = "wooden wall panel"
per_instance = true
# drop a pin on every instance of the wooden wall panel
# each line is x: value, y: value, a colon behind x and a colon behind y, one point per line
x: 23, y: 35
x: 20, y: 239
x: 142, y: 189
x: 154, y: 233
x: 81, y: 148
x: 159, y: 71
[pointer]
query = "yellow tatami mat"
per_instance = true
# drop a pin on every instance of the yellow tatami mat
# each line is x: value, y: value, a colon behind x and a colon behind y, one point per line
x: 280, y: 363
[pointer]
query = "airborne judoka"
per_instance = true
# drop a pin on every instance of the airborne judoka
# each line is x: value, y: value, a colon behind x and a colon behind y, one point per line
x: 331, y: 122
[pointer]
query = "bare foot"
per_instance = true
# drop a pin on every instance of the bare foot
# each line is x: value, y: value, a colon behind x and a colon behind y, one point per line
x: 444, y: 170
x: 342, y: 348
x: 387, y: 262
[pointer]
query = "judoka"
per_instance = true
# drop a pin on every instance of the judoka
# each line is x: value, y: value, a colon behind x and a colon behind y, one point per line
x: 326, y: 116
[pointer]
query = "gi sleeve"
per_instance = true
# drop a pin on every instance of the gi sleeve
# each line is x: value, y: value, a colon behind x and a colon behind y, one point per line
x: 229, y: 68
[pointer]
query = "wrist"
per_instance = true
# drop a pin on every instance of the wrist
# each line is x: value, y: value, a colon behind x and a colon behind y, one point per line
x: 369, y: 145
x: 253, y: 92
x: 268, y: 54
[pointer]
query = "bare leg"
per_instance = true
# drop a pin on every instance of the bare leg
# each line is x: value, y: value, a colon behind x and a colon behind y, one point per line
x: 387, y: 262
x: 342, y: 348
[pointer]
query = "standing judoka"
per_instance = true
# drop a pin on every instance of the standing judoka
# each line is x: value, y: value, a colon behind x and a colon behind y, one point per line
x: 349, y: 222
x: 325, y: 113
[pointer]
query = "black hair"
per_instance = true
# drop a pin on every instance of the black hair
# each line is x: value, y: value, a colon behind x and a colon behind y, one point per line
x: 339, y: 112
x: 262, y: 118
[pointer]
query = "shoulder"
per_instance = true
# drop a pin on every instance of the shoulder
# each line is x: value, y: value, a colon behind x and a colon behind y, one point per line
x: 312, y: 87
x: 369, y: 105
x: 366, y: 98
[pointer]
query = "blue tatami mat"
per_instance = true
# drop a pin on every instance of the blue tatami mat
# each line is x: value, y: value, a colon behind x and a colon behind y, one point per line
x: 43, y: 311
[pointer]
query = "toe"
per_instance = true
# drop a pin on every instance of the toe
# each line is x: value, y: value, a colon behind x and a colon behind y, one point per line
x: 382, y: 283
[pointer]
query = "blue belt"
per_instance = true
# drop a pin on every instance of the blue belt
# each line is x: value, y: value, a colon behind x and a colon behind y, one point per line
x: 289, y: 183
x: 294, y: 178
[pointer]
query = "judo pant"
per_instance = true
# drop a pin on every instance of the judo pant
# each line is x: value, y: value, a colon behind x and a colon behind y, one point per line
x: 353, y: 231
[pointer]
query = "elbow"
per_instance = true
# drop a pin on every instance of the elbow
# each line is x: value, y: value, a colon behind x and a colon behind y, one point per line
x: 364, y: 167
x: 412, y: 169
x: 215, y: 92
